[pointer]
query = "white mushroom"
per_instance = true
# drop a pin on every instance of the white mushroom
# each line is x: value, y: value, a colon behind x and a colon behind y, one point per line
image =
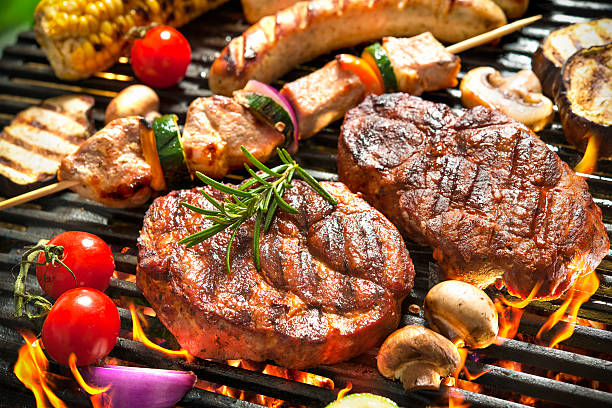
x: 419, y: 357
x: 518, y: 96
x: 135, y: 100
x: 462, y: 313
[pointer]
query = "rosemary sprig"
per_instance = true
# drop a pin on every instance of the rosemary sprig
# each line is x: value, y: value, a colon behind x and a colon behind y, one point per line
x: 259, y: 196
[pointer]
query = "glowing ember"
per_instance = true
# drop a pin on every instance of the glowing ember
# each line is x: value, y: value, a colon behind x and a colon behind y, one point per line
x: 588, y: 164
x: 128, y: 277
x: 582, y: 290
x: 139, y: 335
x: 31, y: 369
x: 456, y: 399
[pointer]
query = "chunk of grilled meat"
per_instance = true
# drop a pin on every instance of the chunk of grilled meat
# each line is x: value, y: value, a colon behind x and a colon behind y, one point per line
x: 35, y: 142
x: 110, y: 165
x: 215, y: 129
x: 481, y: 189
x: 323, y: 97
x: 421, y: 63
x: 331, y: 285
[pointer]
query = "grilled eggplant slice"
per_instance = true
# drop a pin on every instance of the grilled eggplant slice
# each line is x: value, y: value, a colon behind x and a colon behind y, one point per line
x: 35, y: 142
x: 584, y: 98
x: 562, y: 44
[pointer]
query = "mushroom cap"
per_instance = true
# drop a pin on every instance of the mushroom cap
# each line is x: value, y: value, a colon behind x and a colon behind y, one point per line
x: 414, y: 346
x: 461, y: 311
x: 518, y: 96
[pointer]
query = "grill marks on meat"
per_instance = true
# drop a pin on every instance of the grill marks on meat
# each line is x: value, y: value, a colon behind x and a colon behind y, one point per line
x: 331, y: 284
x: 216, y: 127
x: 481, y: 189
x: 110, y: 165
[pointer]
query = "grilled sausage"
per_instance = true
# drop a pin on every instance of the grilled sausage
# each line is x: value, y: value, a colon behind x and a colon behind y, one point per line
x: 276, y: 44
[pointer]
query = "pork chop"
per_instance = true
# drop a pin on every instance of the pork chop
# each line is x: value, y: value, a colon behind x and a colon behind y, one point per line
x: 330, y: 287
x: 482, y: 189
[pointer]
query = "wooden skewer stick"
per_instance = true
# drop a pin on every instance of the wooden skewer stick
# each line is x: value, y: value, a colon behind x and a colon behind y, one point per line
x: 491, y: 35
x: 454, y: 49
x: 33, y: 195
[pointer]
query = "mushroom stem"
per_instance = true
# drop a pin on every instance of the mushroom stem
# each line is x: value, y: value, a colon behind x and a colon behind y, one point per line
x: 419, y: 375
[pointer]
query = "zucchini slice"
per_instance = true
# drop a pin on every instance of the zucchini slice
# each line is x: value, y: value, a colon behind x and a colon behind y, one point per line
x: 269, y: 111
x: 364, y: 400
x: 376, y: 53
x: 170, y: 151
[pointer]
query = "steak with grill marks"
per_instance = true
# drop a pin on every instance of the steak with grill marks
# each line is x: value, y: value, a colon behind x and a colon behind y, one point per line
x: 482, y: 189
x: 330, y: 287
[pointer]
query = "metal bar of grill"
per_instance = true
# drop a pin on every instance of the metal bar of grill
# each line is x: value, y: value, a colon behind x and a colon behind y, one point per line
x: 26, y: 78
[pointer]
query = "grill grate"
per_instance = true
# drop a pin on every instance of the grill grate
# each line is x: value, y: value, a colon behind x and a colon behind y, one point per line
x: 26, y: 78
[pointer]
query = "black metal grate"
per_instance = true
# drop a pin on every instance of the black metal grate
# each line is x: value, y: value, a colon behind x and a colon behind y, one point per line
x: 26, y: 78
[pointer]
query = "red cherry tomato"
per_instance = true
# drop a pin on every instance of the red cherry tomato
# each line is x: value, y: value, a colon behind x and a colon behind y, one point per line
x: 82, y: 321
x: 87, y: 256
x: 161, y: 58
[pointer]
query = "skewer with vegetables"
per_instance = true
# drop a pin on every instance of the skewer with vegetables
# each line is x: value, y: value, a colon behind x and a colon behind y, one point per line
x: 122, y: 165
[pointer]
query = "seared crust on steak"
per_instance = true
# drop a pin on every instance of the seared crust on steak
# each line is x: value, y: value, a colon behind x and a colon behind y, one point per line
x: 482, y: 189
x: 331, y: 285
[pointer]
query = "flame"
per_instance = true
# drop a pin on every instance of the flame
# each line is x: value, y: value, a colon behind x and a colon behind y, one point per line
x: 139, y: 335
x: 456, y: 399
x: 583, y: 289
x: 520, y: 304
x: 342, y: 393
x: 31, y: 369
x: 509, y: 321
x: 588, y: 164
x: 269, y: 369
x: 463, y: 352
x: 72, y: 359
x: 128, y: 277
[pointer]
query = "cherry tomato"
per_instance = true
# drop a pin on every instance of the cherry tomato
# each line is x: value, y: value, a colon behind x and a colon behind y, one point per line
x: 161, y: 58
x: 82, y: 321
x: 87, y: 256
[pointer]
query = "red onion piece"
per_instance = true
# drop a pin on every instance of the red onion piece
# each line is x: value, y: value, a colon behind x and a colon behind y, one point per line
x: 136, y: 387
x: 269, y: 91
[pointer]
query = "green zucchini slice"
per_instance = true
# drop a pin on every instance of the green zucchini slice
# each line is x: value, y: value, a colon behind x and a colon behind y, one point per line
x: 377, y: 53
x: 170, y: 151
x: 269, y: 111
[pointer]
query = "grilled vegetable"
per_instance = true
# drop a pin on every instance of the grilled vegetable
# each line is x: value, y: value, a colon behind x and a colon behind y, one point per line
x: 363, y: 401
x: 267, y: 104
x: 170, y: 150
x: 82, y: 37
x: 135, y: 100
x: 35, y: 142
x: 518, y: 96
x: 583, y: 98
x: 368, y: 76
x: 561, y: 44
x: 376, y: 55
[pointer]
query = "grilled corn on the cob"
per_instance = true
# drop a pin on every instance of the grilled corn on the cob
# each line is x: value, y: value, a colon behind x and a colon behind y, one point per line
x: 81, y: 37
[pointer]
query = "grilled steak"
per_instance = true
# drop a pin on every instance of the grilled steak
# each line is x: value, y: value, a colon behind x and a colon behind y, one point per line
x: 35, y: 142
x: 331, y: 284
x: 481, y: 189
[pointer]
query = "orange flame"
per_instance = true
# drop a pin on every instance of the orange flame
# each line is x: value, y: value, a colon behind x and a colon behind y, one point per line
x: 342, y: 393
x: 583, y: 289
x: 520, y: 304
x: 139, y: 335
x: 462, y: 368
x: 79, y: 378
x: 31, y: 369
x: 588, y: 164
x: 509, y: 321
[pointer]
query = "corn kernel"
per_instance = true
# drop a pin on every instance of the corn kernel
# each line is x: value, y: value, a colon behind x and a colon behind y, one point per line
x: 153, y: 7
x: 78, y: 56
x: 103, y: 11
x: 93, y: 23
x: 73, y: 24
x: 111, y: 11
x: 105, y: 39
x: 88, y: 50
x: 94, y: 38
x: 119, y: 6
x: 92, y: 10
x: 106, y: 28
x: 83, y: 26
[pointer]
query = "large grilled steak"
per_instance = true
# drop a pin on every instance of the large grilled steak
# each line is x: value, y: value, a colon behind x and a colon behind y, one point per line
x: 481, y: 189
x: 331, y: 284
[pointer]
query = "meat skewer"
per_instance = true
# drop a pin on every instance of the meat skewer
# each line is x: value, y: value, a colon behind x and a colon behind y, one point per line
x: 211, y: 146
